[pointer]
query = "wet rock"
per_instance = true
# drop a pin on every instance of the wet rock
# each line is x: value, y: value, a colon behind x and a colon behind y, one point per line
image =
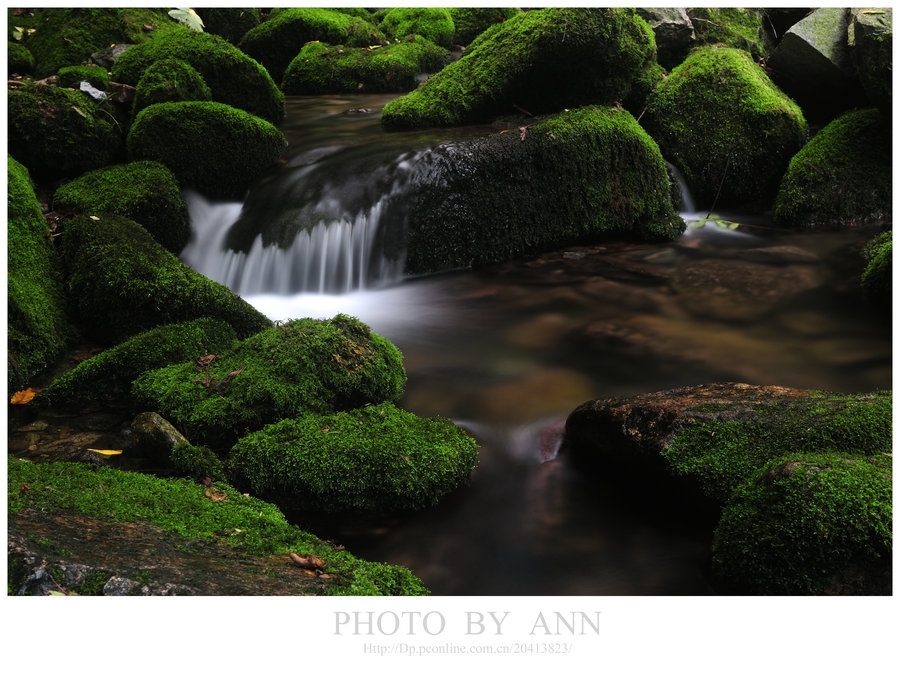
x: 154, y: 437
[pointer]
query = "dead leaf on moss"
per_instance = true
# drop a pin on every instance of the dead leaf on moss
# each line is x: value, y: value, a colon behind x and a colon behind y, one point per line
x: 23, y: 397
x: 216, y: 496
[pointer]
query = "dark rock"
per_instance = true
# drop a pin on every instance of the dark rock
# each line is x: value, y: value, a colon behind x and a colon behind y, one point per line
x: 871, y: 45
x: 107, y: 57
x: 154, y: 436
x: 674, y: 33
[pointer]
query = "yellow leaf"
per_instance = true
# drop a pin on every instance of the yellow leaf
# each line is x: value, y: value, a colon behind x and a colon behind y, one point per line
x: 22, y: 397
x: 105, y: 453
x: 94, y: 217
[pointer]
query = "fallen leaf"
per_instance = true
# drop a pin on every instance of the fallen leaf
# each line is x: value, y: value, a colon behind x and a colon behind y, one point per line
x: 105, y: 453
x: 308, y: 561
x: 24, y: 488
x: 216, y: 496
x: 94, y: 217
x: 23, y: 397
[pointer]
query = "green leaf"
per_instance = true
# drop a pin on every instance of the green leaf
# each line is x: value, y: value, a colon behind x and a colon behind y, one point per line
x: 188, y: 17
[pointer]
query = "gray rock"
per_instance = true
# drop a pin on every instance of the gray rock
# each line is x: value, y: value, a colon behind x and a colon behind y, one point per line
x: 153, y: 436
x: 871, y: 43
x: 674, y: 33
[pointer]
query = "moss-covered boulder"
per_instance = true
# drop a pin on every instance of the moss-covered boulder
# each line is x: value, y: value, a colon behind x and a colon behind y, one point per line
x: 573, y: 177
x: 167, y: 81
x: 741, y: 28
x: 183, y: 524
x: 275, y: 43
x: 297, y: 367
x: 36, y: 309
x: 323, y: 69
x: 871, y: 47
x: 470, y: 22
x: 67, y: 36
x: 211, y: 147
x: 706, y: 440
x: 432, y: 23
x: 540, y: 61
x: 877, y: 278
x: 233, y: 77
x: 374, y: 459
x: 108, y: 375
x: 123, y: 282
x: 146, y: 192
x: 19, y: 61
x: 57, y: 132
x: 231, y: 23
x: 842, y: 177
x: 197, y: 462
x: 73, y: 76
x: 809, y: 524
x: 729, y: 130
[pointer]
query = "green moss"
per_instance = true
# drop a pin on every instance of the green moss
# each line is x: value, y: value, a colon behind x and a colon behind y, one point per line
x: 180, y: 506
x: 211, y: 147
x: 144, y: 191
x: 378, y: 458
x: 720, y: 119
x: 540, y: 61
x: 73, y: 76
x: 807, y: 524
x: 197, y: 462
x: 740, y: 28
x: 599, y: 175
x: 470, y: 22
x: 57, y: 132
x: 719, y: 455
x: 877, y: 278
x: 122, y: 282
x: 296, y: 367
x: 169, y: 80
x: 322, y: 69
x: 37, y: 328
x: 275, y: 43
x: 432, y: 23
x: 106, y: 374
x: 233, y: 77
x: 19, y: 60
x: 231, y: 23
x: 842, y: 177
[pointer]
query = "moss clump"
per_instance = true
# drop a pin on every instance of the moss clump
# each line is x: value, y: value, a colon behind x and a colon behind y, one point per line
x: 739, y: 28
x: 180, y: 506
x: 720, y: 455
x: 122, y: 282
x: 102, y: 377
x: 197, y: 462
x: 57, y: 132
x: 19, y: 61
x: 169, y: 80
x: 294, y: 368
x: 877, y: 278
x: 209, y: 146
x: 598, y: 173
x: 146, y: 192
x: 275, y: 43
x: 728, y: 129
x: 73, y: 76
x: 322, y: 69
x: 842, y: 177
x: 233, y: 77
x: 378, y: 458
x: 809, y: 524
x: 36, y: 318
x: 432, y: 23
x: 231, y: 23
x: 541, y: 61
x: 470, y: 22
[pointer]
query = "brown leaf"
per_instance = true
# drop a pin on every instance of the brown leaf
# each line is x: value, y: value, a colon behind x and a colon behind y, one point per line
x: 308, y: 561
x: 216, y: 496
x: 23, y: 397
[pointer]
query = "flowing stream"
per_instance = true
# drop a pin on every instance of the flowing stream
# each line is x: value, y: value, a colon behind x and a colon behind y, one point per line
x: 508, y: 352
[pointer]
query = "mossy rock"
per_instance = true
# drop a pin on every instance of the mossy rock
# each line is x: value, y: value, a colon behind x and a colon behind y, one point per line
x: 729, y: 130
x: 877, y: 278
x: 736, y: 27
x: 470, y: 22
x: 211, y: 147
x: 231, y: 23
x: 871, y: 40
x: 809, y: 524
x: 123, y: 282
x: 73, y: 76
x: 275, y: 43
x: 842, y: 177
x: 19, y: 60
x: 574, y: 177
x: 432, y: 23
x: 539, y: 61
x: 168, y: 81
x: 57, y: 132
x: 233, y: 77
x: 297, y: 367
x: 379, y: 459
x: 67, y: 36
x: 144, y: 191
x: 106, y: 375
x: 196, y: 462
x: 233, y: 522
x: 323, y: 69
x: 37, y: 327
